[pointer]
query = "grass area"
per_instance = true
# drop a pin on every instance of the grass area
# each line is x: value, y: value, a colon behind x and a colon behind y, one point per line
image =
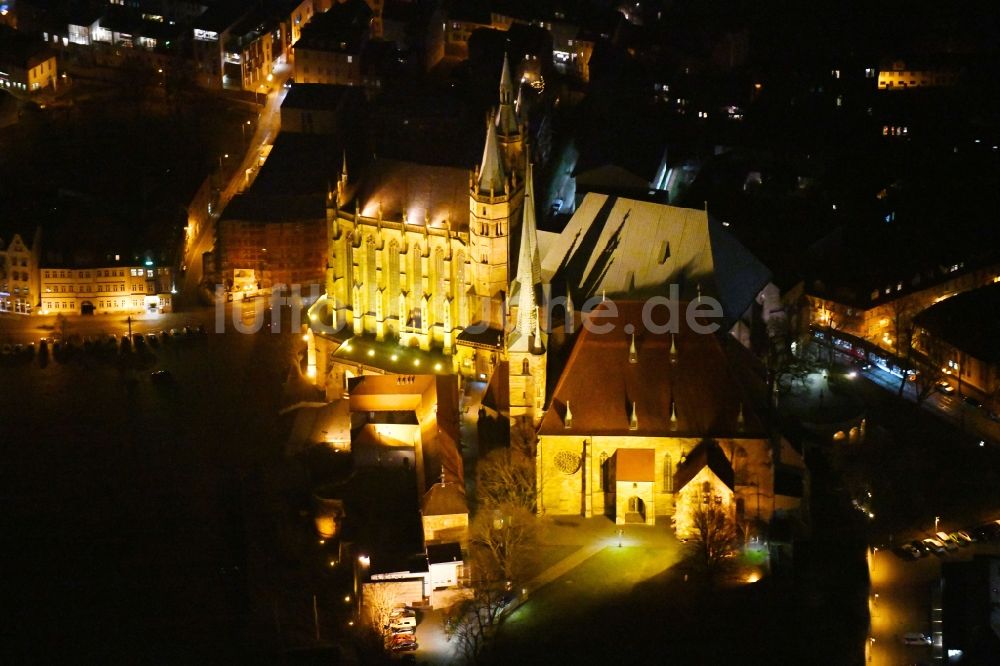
x: 645, y: 606
x: 609, y: 573
x: 541, y: 558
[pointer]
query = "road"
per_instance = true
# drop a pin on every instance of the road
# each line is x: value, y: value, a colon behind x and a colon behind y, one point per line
x: 950, y: 407
x: 201, y: 224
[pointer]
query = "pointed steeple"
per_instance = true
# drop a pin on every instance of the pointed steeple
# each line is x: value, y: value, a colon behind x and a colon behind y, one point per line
x: 633, y: 355
x: 673, y: 415
x: 568, y: 419
x: 633, y: 422
x: 343, y: 167
x: 506, y: 116
x: 673, y: 348
x: 529, y: 269
x: 491, y: 177
x: 740, y: 420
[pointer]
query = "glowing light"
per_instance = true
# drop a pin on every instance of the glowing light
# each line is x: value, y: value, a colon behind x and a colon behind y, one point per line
x: 371, y: 352
x: 322, y: 541
x: 416, y: 362
x: 753, y: 577
x: 312, y: 317
x: 437, y: 366
x: 394, y: 357
x: 364, y: 560
x: 852, y: 374
x: 347, y: 599
x: 305, y: 337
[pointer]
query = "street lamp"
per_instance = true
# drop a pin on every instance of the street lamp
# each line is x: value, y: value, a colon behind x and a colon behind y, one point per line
x: 243, y: 127
x: 937, y: 519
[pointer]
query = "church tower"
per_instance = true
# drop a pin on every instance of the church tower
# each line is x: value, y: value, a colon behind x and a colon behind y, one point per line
x: 490, y: 204
x: 495, y: 195
x: 510, y: 132
x: 526, y: 341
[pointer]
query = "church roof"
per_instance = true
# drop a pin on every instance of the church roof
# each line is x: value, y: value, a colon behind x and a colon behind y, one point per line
x: 635, y: 465
x: 629, y: 248
x: 441, y: 192
x: 529, y: 272
x: 491, y: 177
x: 706, y: 386
x: 506, y: 118
x: 709, y: 454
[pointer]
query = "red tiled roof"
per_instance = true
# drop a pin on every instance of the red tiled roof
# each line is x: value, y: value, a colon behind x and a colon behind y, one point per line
x: 713, y: 376
x: 635, y: 465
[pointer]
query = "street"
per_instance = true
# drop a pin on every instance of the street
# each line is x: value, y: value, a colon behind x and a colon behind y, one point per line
x: 201, y: 224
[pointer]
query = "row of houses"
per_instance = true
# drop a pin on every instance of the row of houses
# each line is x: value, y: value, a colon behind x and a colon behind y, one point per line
x: 31, y: 283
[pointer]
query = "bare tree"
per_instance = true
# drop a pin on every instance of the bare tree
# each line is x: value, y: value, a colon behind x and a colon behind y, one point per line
x: 379, y: 600
x: 475, y: 620
x: 715, y: 538
x: 506, y: 478
x: 506, y: 533
x: 929, y: 359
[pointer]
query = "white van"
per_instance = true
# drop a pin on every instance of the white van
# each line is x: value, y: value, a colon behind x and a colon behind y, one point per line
x: 402, y: 622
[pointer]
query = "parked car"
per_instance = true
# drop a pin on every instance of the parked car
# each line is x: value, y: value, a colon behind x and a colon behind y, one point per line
x: 403, y: 621
x: 911, y: 551
x: 963, y: 538
x: 162, y: 378
x: 403, y: 631
x: 408, y: 645
x: 916, y: 638
x: 935, y: 546
x: 972, y: 402
x: 945, y: 538
x: 944, y: 387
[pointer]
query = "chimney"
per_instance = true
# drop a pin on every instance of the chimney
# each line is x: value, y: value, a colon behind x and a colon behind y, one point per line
x: 633, y: 356
x: 568, y: 419
x: 633, y: 422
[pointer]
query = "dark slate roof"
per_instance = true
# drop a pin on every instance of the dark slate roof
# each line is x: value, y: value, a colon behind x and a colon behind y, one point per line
x: 488, y: 337
x: 444, y: 552
x: 315, y: 96
x: 709, y: 454
x: 968, y: 321
x: 254, y: 207
x: 343, y: 27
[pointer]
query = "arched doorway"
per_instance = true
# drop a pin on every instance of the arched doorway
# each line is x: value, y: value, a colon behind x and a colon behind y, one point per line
x: 635, y: 510
x: 87, y: 308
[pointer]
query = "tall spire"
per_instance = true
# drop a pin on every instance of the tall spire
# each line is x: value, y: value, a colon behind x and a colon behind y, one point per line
x: 529, y: 266
x: 506, y: 116
x: 491, y: 176
x: 506, y: 85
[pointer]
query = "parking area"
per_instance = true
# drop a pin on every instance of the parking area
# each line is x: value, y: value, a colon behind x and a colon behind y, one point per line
x: 905, y: 597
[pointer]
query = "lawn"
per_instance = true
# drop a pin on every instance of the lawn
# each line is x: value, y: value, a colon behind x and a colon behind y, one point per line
x: 610, y: 573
